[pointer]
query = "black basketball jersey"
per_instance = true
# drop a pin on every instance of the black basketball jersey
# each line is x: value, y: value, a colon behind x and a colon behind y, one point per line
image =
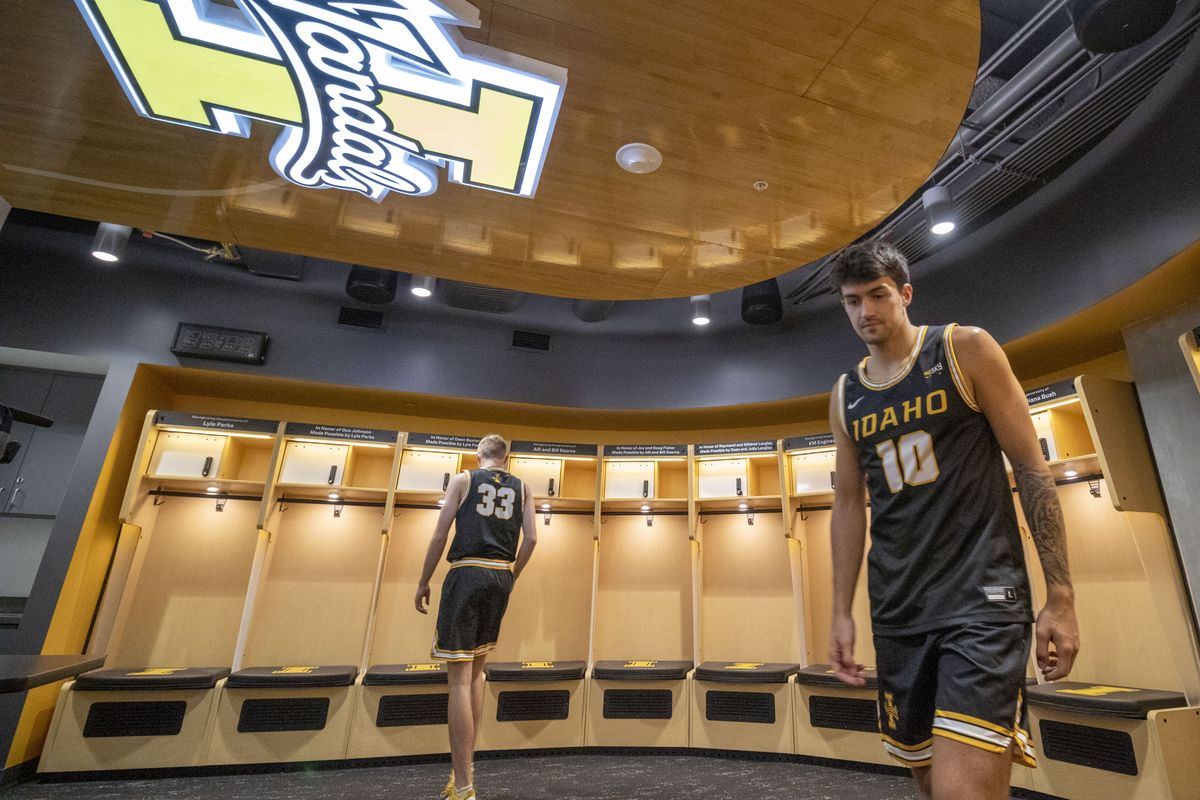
x: 945, y: 546
x: 488, y: 523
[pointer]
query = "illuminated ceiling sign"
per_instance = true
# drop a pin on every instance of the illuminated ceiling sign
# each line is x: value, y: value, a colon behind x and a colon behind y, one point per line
x: 373, y: 95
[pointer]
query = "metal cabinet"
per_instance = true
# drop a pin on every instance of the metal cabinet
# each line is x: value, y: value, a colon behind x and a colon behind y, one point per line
x: 35, y: 482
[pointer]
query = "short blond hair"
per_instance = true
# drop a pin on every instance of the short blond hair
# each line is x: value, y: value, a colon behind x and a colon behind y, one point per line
x: 493, y: 447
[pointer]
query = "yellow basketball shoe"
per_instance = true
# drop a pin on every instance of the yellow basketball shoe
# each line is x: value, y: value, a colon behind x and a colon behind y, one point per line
x: 465, y: 793
x: 449, y: 789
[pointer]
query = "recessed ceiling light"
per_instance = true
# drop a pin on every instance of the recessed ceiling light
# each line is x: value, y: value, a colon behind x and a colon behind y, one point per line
x: 701, y: 309
x: 422, y: 285
x: 639, y: 158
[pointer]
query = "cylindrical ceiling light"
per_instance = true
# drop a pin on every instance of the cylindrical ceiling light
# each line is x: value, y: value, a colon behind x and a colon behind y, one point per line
x: 939, y: 209
x: 422, y: 285
x: 370, y: 285
x: 701, y: 309
x: 110, y: 242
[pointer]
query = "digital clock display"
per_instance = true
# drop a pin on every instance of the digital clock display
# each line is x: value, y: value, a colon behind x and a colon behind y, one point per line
x: 220, y: 344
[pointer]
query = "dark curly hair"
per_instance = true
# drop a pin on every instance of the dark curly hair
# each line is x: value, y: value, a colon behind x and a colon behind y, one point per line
x: 866, y: 262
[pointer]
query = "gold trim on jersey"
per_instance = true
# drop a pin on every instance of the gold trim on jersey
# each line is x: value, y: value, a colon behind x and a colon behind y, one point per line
x: 841, y: 390
x: 905, y: 369
x: 486, y: 563
x: 956, y: 372
x: 460, y: 655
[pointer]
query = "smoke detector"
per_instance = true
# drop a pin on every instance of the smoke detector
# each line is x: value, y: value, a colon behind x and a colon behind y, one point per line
x: 639, y: 158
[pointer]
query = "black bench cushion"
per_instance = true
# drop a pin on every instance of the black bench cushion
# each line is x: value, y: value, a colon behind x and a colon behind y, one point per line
x: 536, y: 670
x: 149, y: 678
x: 745, y: 672
x: 642, y: 670
x: 822, y: 675
x: 406, y: 674
x: 1111, y: 701
x: 287, y: 677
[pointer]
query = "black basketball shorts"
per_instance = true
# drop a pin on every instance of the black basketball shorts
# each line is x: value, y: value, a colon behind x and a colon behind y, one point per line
x: 474, y: 598
x: 965, y: 683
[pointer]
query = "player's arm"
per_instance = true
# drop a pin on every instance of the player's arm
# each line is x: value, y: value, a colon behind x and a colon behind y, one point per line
x: 455, y: 492
x: 991, y: 381
x: 529, y: 537
x: 848, y: 533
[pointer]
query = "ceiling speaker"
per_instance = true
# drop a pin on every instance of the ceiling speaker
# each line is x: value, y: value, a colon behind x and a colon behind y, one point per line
x: 370, y: 285
x: 1108, y: 26
x: 761, y: 304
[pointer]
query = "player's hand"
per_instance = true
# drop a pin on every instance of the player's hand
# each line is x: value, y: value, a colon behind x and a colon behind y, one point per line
x: 841, y: 651
x: 1056, y: 626
x: 422, y: 599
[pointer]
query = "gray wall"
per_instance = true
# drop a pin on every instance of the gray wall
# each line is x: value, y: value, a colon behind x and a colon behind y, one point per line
x: 1171, y: 405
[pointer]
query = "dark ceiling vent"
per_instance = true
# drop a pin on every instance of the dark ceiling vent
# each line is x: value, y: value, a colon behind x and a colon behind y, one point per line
x: 360, y: 318
x: 473, y: 297
x: 527, y: 340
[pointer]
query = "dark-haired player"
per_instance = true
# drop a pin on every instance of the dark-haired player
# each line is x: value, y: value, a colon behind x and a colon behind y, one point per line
x: 921, y: 423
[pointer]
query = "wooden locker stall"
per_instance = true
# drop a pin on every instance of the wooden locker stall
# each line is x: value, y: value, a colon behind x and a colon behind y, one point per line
x: 174, y: 601
x: 304, y: 635
x: 428, y: 462
x: 535, y: 678
x: 401, y: 708
x: 644, y: 631
x: 1120, y: 725
x: 833, y: 720
x: 742, y: 693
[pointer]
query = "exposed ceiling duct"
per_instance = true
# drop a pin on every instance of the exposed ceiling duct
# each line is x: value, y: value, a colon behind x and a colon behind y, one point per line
x: 1027, y: 131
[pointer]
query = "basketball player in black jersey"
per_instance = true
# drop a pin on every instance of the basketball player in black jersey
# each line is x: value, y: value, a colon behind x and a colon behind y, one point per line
x: 921, y: 423
x: 489, y: 508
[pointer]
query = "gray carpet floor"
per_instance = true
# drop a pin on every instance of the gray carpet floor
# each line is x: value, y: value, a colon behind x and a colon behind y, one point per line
x: 568, y: 777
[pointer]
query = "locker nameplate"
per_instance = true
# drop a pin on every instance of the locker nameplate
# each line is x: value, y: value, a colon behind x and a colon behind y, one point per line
x: 553, y: 449
x: 176, y: 419
x: 341, y: 433
x: 735, y: 448
x: 645, y: 450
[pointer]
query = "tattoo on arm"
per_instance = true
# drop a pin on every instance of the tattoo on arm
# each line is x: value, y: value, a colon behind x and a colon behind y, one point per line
x: 1039, y: 499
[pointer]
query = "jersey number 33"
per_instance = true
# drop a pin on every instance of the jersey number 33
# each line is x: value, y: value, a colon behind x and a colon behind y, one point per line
x: 496, y: 503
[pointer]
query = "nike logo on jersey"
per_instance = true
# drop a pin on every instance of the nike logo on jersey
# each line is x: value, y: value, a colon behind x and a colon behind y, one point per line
x: 856, y: 402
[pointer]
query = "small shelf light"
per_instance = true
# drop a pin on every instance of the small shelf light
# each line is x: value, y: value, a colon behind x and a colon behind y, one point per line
x: 422, y: 285
x: 939, y: 209
x: 334, y: 496
x: 1070, y: 473
x: 701, y: 309
x: 546, y: 509
x: 213, y: 489
x: 110, y: 241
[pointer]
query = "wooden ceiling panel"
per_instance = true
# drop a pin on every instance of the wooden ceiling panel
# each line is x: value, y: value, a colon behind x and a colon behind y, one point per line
x: 843, y: 106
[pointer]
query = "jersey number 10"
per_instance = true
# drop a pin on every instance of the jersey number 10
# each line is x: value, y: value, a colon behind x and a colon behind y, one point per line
x: 908, y: 460
x: 488, y: 507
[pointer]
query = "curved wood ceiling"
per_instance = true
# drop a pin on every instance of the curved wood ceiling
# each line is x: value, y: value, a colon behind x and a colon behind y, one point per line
x: 842, y: 106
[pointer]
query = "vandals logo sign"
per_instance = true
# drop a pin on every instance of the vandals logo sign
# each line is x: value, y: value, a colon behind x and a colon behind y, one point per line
x: 374, y: 96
